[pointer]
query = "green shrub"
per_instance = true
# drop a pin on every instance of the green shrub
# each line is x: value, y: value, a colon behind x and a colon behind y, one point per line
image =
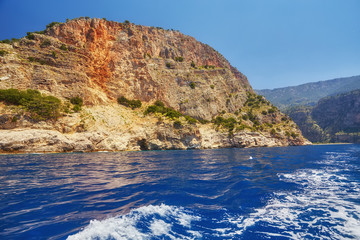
x: 7, y: 41
x: 179, y: 59
x: 192, y: 64
x: 159, y: 107
x: 3, y: 53
x: 294, y: 135
x: 126, y: 22
x: 63, y: 47
x: 171, y: 113
x: 218, y: 120
x: 43, y: 108
x: 40, y: 107
x: 251, y: 116
x: 151, y: 109
x: 76, y: 108
x: 241, y: 127
x: 228, y: 123
x: 14, y: 119
x: 50, y: 25
x: 168, y: 65
x: 159, y: 103
x: 264, y: 112
x: 30, y: 36
x: 273, y: 132
x: 212, y: 86
x: 41, y: 61
x: 192, y: 85
x: 135, y: 104
x: 123, y: 101
x: 129, y: 103
x: 76, y: 101
x: 177, y: 124
x: 271, y: 110
x: 53, y: 54
x: 45, y: 43
x: 256, y: 122
x: 190, y: 119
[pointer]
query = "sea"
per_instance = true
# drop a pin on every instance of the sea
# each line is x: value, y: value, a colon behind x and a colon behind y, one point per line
x: 303, y: 192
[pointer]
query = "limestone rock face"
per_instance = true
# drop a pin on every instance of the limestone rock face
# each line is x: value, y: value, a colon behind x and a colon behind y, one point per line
x: 99, y: 61
x: 107, y: 59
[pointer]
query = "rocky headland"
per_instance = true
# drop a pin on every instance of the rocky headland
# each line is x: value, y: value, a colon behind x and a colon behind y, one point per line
x: 189, y: 95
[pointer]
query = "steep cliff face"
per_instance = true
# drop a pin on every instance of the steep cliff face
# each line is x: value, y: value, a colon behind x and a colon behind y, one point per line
x: 106, y: 59
x: 335, y: 118
x: 309, y: 127
x: 339, y: 113
x: 99, y: 60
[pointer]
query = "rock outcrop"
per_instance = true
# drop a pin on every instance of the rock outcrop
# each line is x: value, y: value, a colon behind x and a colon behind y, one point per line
x: 332, y: 119
x: 99, y: 60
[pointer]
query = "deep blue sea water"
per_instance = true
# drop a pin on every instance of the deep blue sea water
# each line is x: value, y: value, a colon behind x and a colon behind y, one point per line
x: 308, y: 192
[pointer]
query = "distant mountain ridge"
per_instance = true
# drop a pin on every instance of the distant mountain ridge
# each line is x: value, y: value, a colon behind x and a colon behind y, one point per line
x: 310, y: 93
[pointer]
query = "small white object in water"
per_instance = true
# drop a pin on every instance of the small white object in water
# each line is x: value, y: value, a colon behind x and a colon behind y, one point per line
x: 250, y: 157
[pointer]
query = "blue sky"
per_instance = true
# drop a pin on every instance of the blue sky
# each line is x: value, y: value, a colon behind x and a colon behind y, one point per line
x: 275, y: 43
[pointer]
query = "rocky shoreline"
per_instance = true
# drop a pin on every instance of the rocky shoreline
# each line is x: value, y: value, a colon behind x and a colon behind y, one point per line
x: 162, y: 138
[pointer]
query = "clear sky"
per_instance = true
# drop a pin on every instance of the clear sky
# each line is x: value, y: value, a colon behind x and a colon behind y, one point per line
x: 275, y: 43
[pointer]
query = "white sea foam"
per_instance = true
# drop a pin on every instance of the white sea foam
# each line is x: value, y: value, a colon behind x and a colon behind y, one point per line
x: 155, y: 221
x: 324, y: 208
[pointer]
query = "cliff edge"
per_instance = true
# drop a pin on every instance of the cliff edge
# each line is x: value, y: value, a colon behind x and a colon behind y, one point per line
x: 98, y: 61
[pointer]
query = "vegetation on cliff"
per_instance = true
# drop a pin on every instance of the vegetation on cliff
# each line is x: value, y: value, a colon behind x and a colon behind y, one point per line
x: 39, y: 106
x: 160, y: 108
x: 177, y: 86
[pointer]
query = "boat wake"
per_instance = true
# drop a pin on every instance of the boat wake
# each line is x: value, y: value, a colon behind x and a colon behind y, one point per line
x: 324, y: 206
x: 148, y: 222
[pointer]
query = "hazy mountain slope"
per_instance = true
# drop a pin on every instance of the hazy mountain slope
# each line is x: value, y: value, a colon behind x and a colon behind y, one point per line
x: 309, y: 93
x: 334, y: 118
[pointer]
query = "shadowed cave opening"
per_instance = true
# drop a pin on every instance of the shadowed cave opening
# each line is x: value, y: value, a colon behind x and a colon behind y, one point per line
x: 143, y: 144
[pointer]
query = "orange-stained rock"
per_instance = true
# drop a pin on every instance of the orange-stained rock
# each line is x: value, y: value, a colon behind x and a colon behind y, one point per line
x: 107, y: 59
x: 100, y: 60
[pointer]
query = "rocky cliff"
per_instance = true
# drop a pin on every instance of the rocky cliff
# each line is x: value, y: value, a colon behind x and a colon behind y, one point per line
x: 335, y: 118
x: 98, y: 61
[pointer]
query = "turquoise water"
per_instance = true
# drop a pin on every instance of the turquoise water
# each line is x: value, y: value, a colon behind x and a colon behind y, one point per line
x: 308, y: 192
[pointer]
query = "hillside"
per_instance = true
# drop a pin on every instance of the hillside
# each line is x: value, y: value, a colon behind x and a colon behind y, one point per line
x: 310, y: 93
x: 187, y: 94
x: 334, y: 118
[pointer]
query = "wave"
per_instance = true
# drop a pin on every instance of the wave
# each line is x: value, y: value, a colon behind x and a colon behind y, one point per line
x: 324, y: 206
x: 146, y: 222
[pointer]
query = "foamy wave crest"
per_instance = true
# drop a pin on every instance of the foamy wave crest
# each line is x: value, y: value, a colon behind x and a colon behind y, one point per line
x: 326, y: 207
x: 148, y: 222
